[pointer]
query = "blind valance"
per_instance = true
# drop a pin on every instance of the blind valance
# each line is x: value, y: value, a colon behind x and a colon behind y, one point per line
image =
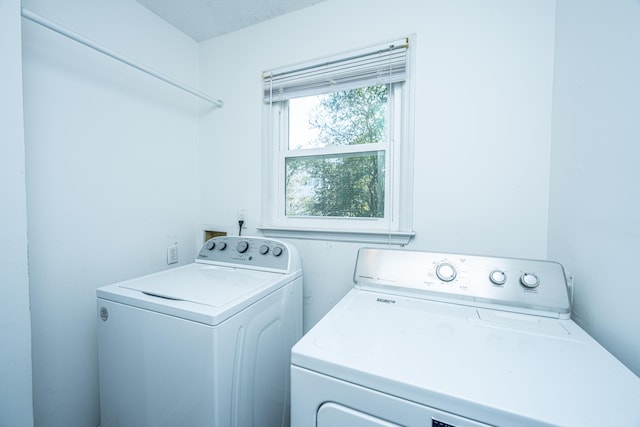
x: 381, y: 64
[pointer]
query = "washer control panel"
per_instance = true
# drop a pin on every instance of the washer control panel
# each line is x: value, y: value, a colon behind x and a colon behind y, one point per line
x: 521, y: 285
x: 254, y: 252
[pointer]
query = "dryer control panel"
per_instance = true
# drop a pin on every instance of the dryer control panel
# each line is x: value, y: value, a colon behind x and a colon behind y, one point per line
x: 249, y: 252
x: 520, y: 285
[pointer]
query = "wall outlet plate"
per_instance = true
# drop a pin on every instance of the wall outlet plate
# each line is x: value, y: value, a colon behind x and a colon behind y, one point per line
x: 172, y: 254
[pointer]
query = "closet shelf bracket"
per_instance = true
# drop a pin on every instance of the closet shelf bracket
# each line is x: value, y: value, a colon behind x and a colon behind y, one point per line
x: 95, y: 46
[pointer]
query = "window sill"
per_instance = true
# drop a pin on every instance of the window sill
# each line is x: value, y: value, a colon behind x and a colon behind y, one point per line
x: 400, y: 238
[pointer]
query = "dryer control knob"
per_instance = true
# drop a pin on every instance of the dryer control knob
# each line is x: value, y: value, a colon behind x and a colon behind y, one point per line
x: 242, y: 246
x: 211, y: 244
x: 277, y: 251
x: 529, y: 280
x: 445, y: 272
x: 222, y: 246
x: 498, y: 277
x: 264, y: 249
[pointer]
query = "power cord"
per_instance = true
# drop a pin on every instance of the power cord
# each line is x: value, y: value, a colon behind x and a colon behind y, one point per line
x: 240, y: 224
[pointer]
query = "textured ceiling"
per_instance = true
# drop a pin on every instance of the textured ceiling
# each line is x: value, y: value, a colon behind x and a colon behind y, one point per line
x: 204, y: 19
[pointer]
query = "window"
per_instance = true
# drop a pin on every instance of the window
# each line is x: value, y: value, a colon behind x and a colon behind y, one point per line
x: 337, y: 148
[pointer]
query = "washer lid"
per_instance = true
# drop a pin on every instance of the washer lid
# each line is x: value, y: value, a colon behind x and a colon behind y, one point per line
x: 203, y: 293
x: 202, y: 284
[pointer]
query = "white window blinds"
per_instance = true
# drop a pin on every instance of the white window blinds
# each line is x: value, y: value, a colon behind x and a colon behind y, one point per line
x: 382, y: 64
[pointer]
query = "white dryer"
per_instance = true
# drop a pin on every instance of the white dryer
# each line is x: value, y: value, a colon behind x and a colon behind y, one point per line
x: 205, y: 344
x: 444, y: 340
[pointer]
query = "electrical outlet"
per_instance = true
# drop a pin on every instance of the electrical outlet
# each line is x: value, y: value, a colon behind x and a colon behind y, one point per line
x: 242, y: 221
x: 172, y: 254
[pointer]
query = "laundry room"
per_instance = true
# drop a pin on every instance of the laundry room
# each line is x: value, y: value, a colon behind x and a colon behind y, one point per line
x: 523, y: 128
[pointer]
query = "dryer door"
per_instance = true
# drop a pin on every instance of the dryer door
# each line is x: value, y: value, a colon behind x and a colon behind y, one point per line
x: 332, y: 415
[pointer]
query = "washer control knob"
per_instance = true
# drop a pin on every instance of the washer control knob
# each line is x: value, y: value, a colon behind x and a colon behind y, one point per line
x: 498, y: 277
x: 242, y: 246
x: 277, y: 251
x: 264, y: 249
x: 445, y: 272
x: 529, y: 280
x: 222, y: 246
x: 210, y: 245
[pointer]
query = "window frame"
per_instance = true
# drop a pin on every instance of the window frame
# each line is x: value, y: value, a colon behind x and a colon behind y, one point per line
x: 395, y: 227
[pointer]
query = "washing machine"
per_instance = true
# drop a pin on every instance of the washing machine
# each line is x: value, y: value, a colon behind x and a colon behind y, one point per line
x: 451, y: 340
x: 205, y: 344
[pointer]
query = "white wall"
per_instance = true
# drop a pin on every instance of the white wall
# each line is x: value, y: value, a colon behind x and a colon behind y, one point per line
x: 482, y: 135
x: 595, y: 195
x: 111, y: 157
x: 15, y: 325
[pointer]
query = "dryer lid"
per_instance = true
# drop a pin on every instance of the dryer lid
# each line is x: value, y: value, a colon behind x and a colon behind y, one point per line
x: 496, y: 367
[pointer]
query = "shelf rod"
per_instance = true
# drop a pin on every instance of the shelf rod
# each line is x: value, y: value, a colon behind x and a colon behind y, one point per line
x: 80, y: 39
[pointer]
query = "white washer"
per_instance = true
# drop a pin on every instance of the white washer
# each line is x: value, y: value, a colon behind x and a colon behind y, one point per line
x: 432, y: 339
x: 205, y: 344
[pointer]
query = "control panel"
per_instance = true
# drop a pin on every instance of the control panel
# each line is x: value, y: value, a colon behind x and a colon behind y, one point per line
x: 522, y: 285
x: 253, y: 252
